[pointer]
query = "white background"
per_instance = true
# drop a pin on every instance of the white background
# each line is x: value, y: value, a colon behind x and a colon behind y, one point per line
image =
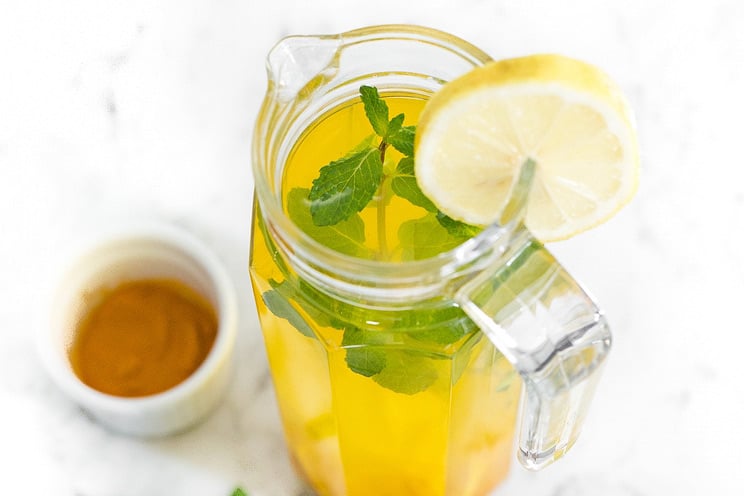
x: 109, y: 109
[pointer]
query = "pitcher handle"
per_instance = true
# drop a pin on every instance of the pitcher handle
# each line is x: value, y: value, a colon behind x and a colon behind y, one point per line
x: 554, y: 335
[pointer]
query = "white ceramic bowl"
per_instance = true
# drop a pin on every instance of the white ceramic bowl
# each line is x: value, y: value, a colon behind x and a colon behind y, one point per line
x: 150, y: 250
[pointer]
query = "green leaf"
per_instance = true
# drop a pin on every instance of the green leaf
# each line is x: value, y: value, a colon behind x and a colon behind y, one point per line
x: 461, y: 360
x: 425, y: 237
x: 277, y: 300
x: 361, y: 355
x: 276, y: 256
x: 445, y: 334
x: 457, y: 228
x: 376, y: 109
x: 404, y: 185
x: 345, y: 186
x: 406, y: 372
x: 438, y: 325
x: 403, y: 140
x: 317, y: 305
x: 368, y: 142
x: 394, y: 126
x: 518, y: 278
x: 345, y: 236
x: 239, y: 492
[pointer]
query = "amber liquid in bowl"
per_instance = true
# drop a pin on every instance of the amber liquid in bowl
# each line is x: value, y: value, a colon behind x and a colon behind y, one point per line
x: 142, y: 337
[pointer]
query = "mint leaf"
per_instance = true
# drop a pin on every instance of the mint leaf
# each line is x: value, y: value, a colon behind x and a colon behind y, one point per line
x: 277, y: 301
x: 461, y: 360
x: 404, y: 185
x: 376, y: 109
x: 345, y: 186
x: 239, y: 492
x: 441, y: 325
x: 403, y: 139
x: 268, y: 240
x: 406, y: 372
x: 394, y: 126
x: 446, y: 333
x: 425, y: 237
x: 365, y: 361
x: 361, y: 356
x: 345, y: 236
x: 515, y: 278
x: 457, y: 228
x: 368, y: 142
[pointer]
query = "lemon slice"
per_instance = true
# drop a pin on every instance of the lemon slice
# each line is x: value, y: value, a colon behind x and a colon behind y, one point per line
x: 477, y: 131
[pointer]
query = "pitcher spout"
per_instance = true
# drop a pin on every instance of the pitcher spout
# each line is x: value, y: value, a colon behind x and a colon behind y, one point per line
x: 297, y: 61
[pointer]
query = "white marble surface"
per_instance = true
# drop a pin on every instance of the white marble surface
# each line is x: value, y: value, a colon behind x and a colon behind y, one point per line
x: 111, y: 108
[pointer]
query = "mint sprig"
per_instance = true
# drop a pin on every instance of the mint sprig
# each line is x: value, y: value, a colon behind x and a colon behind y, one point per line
x: 404, y: 362
x: 347, y: 185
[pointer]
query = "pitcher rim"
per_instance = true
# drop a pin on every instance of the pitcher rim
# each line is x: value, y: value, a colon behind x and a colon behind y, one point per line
x: 311, y: 254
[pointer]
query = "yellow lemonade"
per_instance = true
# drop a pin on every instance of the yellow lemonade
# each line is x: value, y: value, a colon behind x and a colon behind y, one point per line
x: 409, y: 401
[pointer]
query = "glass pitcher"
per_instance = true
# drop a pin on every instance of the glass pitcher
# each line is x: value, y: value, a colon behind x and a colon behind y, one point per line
x: 405, y: 377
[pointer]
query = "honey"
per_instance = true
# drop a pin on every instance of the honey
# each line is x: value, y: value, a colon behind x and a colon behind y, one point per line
x: 142, y: 337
